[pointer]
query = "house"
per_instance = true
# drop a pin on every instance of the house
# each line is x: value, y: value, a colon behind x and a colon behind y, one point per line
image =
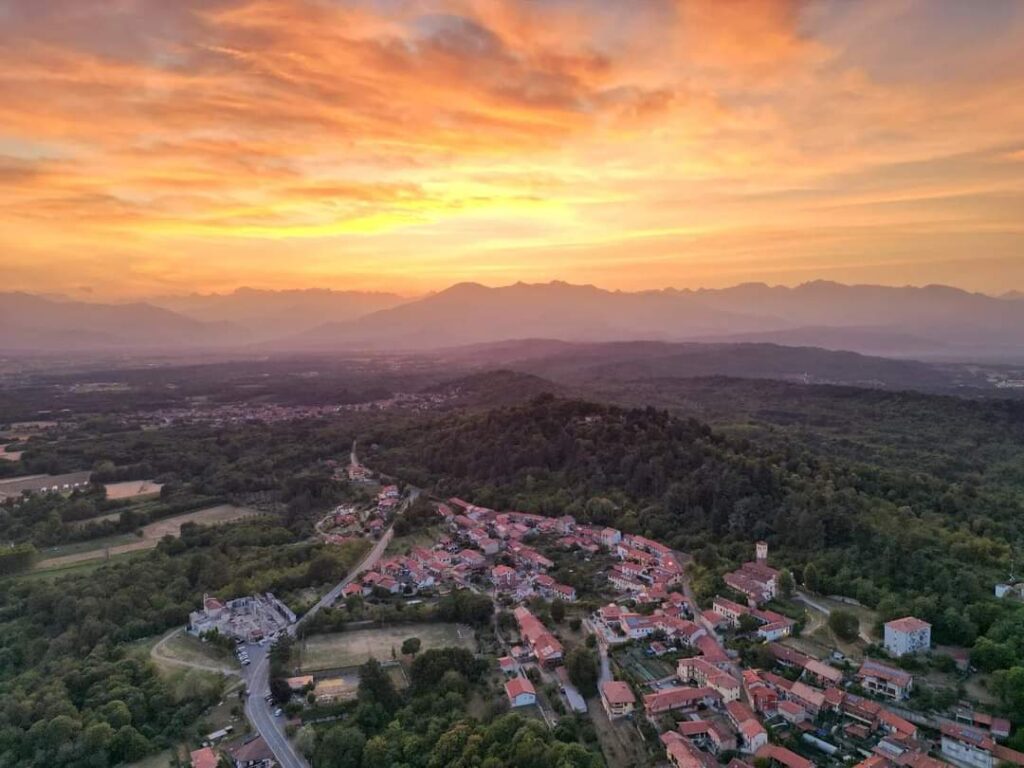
x: 503, y: 577
x: 807, y: 697
x: 885, y: 680
x: 543, y: 644
x: 520, y: 692
x: 679, y: 697
x: 967, y: 746
x: 565, y: 592
x: 203, y: 758
x: 472, y: 558
x: 681, y: 753
x: 635, y: 626
x: 617, y: 698
x: 761, y: 696
x: 253, y: 754
x: 753, y: 736
x: 609, y: 537
x: 708, y: 733
x: 792, y: 712
x: 784, y: 757
x: 822, y: 672
x: 907, y: 635
x: 508, y: 665
x: 703, y: 673
x: 488, y: 545
x: 713, y: 621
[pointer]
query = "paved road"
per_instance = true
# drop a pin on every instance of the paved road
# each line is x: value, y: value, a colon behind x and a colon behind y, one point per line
x: 365, y: 564
x: 260, y: 712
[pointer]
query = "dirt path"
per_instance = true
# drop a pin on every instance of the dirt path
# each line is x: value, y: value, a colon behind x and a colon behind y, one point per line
x: 159, y: 653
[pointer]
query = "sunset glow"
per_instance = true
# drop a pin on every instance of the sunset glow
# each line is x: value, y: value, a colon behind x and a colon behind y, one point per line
x: 151, y: 147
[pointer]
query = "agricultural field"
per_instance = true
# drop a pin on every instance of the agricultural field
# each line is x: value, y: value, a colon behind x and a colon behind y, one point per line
x: 339, y: 650
x: 116, y: 545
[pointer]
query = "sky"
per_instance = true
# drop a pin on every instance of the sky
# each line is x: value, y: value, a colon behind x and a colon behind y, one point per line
x: 151, y: 147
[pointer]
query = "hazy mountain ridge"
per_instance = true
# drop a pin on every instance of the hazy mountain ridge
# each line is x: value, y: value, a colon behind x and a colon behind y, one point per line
x: 931, y: 322
x: 272, y: 314
x: 34, y: 323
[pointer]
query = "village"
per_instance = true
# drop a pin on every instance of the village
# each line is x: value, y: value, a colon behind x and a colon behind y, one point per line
x: 796, y: 710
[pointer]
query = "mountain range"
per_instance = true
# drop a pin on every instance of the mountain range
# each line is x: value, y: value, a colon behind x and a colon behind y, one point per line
x: 932, y: 322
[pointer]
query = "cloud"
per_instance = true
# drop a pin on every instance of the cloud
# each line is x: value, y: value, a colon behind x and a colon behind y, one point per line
x: 330, y: 137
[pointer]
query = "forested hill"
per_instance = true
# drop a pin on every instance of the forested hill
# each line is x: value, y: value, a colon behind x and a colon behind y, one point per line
x: 893, y: 540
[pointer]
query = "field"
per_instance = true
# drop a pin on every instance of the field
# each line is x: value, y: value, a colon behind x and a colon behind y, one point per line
x: 399, y: 545
x: 179, y: 649
x: 151, y: 534
x: 350, y: 649
x: 644, y: 668
x: 130, y: 489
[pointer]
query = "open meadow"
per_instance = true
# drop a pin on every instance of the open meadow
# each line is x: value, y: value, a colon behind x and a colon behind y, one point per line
x: 339, y: 650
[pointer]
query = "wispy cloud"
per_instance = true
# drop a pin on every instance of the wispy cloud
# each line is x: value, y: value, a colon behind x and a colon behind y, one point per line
x: 274, y: 142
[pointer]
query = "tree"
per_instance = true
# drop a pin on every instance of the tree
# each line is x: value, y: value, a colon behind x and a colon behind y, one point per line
x: 786, y: 584
x: 575, y: 623
x: 582, y: 666
x: 748, y: 624
x: 305, y: 740
x: 341, y: 747
x: 375, y: 687
x: 558, y: 610
x: 844, y: 623
x: 812, y: 580
x: 411, y: 646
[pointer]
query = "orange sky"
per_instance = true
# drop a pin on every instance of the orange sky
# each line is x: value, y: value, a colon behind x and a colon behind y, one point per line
x: 152, y: 147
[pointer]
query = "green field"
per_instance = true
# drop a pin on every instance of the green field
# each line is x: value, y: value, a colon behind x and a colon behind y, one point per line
x: 350, y: 649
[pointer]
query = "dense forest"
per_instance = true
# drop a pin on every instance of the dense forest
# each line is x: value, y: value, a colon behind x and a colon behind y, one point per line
x: 75, y: 693
x: 900, y: 540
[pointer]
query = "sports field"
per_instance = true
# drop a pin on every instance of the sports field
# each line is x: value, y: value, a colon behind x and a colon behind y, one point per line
x: 132, y: 488
x: 350, y: 649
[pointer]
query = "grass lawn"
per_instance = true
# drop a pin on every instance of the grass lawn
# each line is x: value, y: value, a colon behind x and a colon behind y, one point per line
x: 191, y: 650
x: 350, y: 649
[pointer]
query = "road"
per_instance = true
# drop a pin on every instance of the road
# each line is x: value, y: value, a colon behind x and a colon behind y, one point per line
x: 261, y: 712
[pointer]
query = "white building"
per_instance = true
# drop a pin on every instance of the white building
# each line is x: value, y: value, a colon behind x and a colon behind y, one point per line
x: 907, y: 635
x: 967, y: 746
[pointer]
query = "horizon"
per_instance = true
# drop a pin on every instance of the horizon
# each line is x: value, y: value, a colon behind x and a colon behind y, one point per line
x: 409, y: 297
x: 150, y: 149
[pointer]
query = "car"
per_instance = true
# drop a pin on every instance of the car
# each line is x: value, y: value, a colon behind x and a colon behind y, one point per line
x: 278, y: 712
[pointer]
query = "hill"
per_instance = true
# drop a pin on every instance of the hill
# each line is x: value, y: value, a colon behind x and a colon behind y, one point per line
x: 588, y: 363
x: 903, y: 539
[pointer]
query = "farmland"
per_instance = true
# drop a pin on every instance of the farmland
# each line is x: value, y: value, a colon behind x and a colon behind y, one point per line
x: 62, y: 557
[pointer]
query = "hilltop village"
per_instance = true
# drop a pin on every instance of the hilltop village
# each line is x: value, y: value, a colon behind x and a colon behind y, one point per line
x: 789, y: 709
